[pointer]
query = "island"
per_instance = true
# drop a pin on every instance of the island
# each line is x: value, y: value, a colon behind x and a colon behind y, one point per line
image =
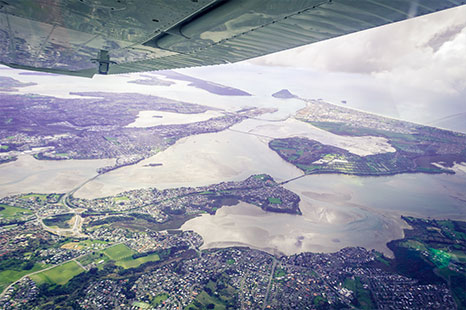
x: 153, y: 165
x: 284, y: 94
x: 128, y: 251
x: 95, y: 126
x: 211, y: 87
x: 418, y: 148
x: 9, y: 84
x: 150, y: 80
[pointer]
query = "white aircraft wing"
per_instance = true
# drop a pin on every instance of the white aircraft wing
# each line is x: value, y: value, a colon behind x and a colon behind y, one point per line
x: 83, y: 37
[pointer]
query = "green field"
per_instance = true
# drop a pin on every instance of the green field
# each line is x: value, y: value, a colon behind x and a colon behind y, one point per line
x: 42, y: 197
x: 112, y: 140
x: 207, y: 193
x: 216, y: 295
x: 440, y: 258
x: 318, y: 300
x: 203, y: 300
x: 141, y: 305
x: 4, y: 147
x: 314, y: 157
x: 55, y: 196
x: 122, y: 255
x: 96, y: 257
x: 260, y: 176
x: 362, y: 295
x: 414, y: 244
x: 7, y: 211
x: 133, y: 263
x: 119, y: 252
x: 9, y: 276
x: 60, y: 220
x: 381, y: 259
x: 280, y: 273
x: 434, y: 250
x: 159, y: 299
x: 275, y: 201
x: 58, y: 275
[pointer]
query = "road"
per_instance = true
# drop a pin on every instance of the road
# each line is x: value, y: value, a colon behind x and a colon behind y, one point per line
x: 272, y: 273
x: 76, y: 229
x: 192, y: 246
x: 39, y: 271
x: 48, y: 268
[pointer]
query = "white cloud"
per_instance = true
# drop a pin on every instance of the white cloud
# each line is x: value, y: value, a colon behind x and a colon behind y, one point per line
x: 420, y: 64
x: 375, y: 49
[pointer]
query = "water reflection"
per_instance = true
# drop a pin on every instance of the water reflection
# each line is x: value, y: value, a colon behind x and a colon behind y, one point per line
x: 338, y: 211
x: 27, y: 174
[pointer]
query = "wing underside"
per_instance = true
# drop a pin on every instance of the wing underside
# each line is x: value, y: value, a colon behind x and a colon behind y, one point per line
x: 64, y: 36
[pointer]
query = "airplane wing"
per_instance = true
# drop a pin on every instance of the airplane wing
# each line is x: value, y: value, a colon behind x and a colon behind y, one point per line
x: 83, y: 37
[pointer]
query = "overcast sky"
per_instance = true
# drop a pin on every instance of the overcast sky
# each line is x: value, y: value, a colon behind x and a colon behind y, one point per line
x: 413, y: 70
x: 421, y: 62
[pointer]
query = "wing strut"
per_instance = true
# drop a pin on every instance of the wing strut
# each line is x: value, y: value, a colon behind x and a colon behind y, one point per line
x: 103, y: 62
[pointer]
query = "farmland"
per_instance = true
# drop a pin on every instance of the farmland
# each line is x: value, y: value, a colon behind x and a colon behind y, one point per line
x: 314, y: 157
x: 7, y: 211
x: 125, y: 257
x: 58, y: 275
x: 11, y: 275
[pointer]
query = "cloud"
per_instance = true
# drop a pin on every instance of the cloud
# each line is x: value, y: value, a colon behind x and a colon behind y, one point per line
x: 377, y: 49
x: 449, y: 34
x: 420, y: 63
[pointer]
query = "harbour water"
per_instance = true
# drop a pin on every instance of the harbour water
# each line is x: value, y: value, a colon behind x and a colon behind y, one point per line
x: 28, y: 174
x: 337, y: 210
